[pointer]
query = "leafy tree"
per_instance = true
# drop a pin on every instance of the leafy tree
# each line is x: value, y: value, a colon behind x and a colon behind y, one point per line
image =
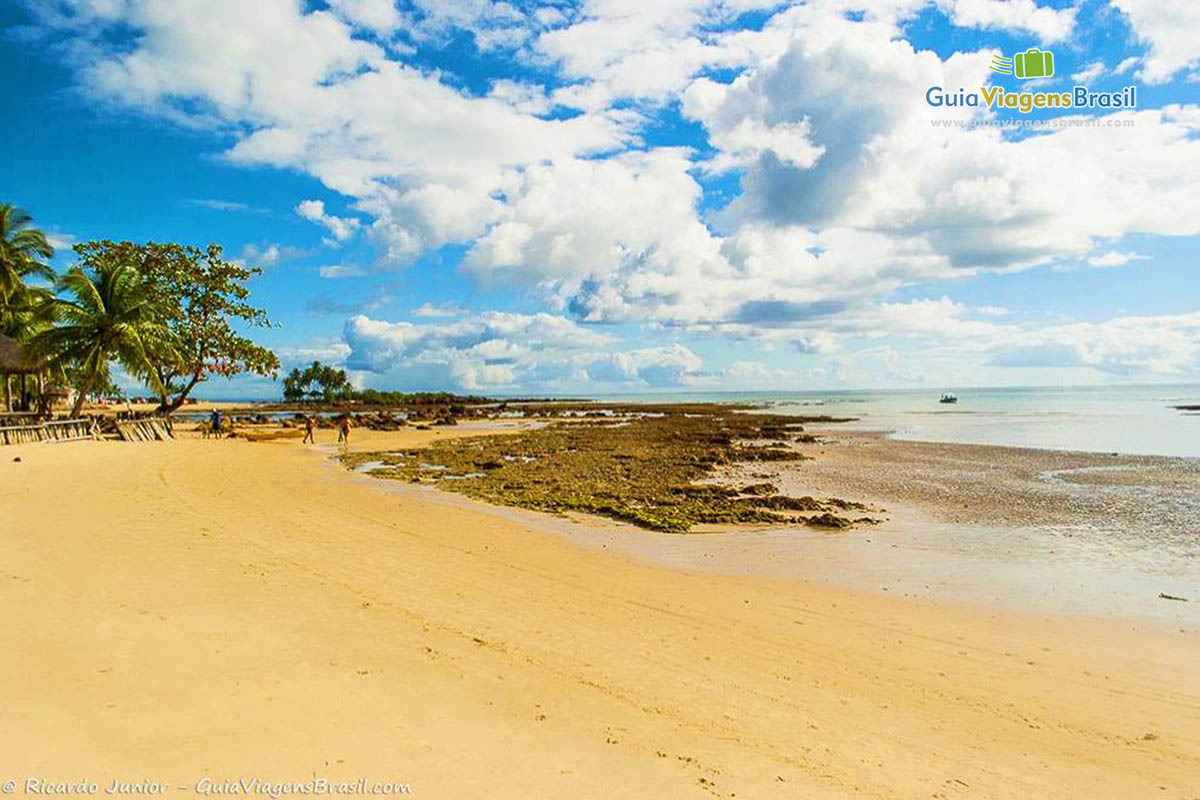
x: 23, y: 314
x: 392, y: 398
x: 295, y: 386
x: 204, y: 301
x: 24, y: 309
x: 22, y: 251
x: 317, y: 382
x: 109, y: 314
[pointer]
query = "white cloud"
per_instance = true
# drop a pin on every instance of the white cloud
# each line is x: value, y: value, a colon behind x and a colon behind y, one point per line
x: 1089, y: 72
x: 267, y: 254
x: 335, y: 271
x: 376, y: 15
x: 378, y: 346
x: 1048, y: 24
x: 301, y: 91
x: 266, y: 71
x: 749, y: 374
x: 225, y: 205
x: 1114, y: 258
x: 340, y: 228
x: 1172, y: 30
x: 818, y: 342
x: 494, y: 25
x: 328, y: 351
x: 976, y: 197
x: 61, y: 242
x: 575, y: 219
x: 615, y: 49
x: 656, y: 367
x: 497, y: 351
x: 1126, y: 65
x: 1161, y: 345
x: 645, y: 51
x: 431, y: 310
x: 837, y: 87
x: 526, y: 98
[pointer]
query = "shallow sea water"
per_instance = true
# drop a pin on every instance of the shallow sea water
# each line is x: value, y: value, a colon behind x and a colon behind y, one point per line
x: 1102, y: 419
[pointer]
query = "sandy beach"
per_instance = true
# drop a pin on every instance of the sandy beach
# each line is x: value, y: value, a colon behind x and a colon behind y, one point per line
x: 227, y: 609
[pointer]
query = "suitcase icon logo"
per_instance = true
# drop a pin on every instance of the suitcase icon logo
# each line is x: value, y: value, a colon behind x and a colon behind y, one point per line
x: 1033, y: 63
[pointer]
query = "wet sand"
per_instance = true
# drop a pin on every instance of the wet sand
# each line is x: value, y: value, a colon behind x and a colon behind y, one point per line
x: 1154, y: 498
x: 228, y: 609
x: 1063, y: 534
x: 1050, y: 531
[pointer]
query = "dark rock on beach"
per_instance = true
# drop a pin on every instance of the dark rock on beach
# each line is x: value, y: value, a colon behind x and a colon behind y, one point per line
x: 651, y: 466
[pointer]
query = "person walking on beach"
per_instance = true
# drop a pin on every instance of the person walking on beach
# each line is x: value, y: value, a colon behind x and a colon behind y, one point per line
x: 215, y: 421
x: 344, y: 429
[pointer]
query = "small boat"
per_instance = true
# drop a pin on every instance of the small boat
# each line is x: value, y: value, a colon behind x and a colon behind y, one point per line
x: 948, y: 398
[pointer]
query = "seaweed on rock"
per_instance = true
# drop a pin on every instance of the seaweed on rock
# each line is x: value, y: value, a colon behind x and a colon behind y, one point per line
x: 645, y: 470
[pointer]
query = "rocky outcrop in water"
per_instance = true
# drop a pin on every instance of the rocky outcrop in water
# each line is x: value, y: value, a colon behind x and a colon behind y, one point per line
x: 651, y: 466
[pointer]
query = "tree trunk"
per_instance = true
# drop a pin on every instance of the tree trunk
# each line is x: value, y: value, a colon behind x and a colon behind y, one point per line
x: 173, y: 406
x: 7, y: 394
x: 84, y: 388
x: 164, y: 397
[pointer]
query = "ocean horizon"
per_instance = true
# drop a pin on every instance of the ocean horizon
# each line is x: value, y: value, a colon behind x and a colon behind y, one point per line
x: 1130, y: 419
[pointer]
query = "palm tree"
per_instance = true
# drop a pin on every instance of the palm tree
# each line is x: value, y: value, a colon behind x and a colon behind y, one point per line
x: 23, y: 314
x: 21, y: 249
x: 24, y: 309
x: 110, y: 315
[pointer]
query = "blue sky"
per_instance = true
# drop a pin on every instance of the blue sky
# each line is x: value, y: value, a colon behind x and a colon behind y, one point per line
x: 620, y: 196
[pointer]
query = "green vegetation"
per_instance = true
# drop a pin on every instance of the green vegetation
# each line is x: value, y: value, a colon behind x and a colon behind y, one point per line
x: 26, y: 307
x: 168, y: 313
x: 643, y: 466
x: 377, y: 397
x: 202, y: 297
x: 23, y: 252
x: 321, y: 383
x: 108, y: 315
x: 317, y: 382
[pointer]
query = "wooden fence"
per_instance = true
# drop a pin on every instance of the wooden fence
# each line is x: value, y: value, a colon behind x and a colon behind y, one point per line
x: 145, y: 429
x: 62, y: 430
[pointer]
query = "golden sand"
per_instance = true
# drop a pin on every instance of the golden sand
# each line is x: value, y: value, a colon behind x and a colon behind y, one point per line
x: 227, y: 609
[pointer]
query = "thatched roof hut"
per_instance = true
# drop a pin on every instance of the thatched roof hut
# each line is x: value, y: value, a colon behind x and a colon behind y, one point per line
x: 12, y: 359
